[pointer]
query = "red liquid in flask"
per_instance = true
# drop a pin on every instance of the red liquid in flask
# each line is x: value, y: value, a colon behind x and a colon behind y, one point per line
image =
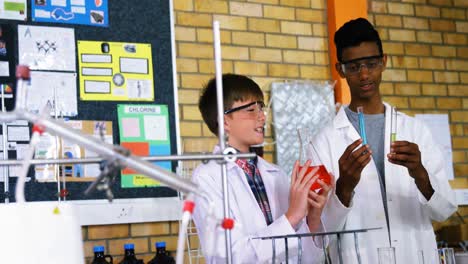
x: 323, y: 175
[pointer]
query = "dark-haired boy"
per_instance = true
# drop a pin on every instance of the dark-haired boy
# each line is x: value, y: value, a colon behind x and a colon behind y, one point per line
x: 262, y: 201
x: 401, y: 192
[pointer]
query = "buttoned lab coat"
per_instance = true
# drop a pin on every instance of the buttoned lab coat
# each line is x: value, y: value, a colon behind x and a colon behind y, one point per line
x: 409, y: 212
x: 249, y: 219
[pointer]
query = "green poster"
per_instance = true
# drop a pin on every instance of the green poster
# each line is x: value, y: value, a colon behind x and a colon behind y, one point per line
x: 144, y: 130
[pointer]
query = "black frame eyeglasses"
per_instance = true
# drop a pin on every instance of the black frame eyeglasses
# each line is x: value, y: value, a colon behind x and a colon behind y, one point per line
x: 353, y: 67
x: 235, y: 109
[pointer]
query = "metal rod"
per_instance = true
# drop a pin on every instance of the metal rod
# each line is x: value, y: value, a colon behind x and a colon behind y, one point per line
x: 356, y: 246
x: 56, y: 154
x: 220, y: 108
x: 273, y: 244
x: 286, y: 249
x: 6, y: 179
x: 325, y: 253
x: 320, y: 233
x: 60, y: 128
x: 23, y: 78
x: 338, y: 242
x: 8, y: 117
x: 20, y: 181
x: 148, y: 158
x: 175, y: 86
x: 299, y: 250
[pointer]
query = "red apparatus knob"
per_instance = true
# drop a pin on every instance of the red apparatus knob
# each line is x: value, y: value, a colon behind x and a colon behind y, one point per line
x: 22, y: 72
x: 38, y: 128
x: 188, y: 206
x: 228, y: 223
x: 63, y: 193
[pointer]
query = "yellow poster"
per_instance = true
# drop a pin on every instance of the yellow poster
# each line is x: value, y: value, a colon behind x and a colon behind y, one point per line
x: 115, y: 71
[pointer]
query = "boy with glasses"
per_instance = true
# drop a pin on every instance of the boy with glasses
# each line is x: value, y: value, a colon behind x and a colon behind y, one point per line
x: 399, y: 185
x: 262, y: 201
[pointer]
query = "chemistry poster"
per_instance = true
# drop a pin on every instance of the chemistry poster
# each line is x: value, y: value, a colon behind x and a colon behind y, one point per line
x: 83, y: 12
x: 55, y: 90
x: 115, y: 71
x: 47, y: 48
x: 144, y: 130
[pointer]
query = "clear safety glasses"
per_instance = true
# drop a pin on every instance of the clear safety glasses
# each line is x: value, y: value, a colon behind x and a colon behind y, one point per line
x: 253, y: 109
x: 354, y: 67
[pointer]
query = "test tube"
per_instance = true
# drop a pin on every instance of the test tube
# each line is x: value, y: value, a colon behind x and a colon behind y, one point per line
x: 362, y: 125
x: 393, y: 125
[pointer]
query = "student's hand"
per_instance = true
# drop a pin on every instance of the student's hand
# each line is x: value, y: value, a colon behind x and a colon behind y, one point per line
x: 407, y: 154
x: 298, y: 192
x: 351, y: 164
x: 317, y: 202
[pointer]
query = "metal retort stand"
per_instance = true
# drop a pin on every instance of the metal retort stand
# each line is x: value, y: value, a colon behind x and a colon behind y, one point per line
x: 338, y: 234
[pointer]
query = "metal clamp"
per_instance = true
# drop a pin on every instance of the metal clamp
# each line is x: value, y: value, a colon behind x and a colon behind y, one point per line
x: 229, y: 151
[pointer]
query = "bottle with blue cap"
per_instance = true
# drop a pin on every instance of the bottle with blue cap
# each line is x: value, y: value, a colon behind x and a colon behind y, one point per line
x: 129, y: 257
x: 162, y: 256
x: 100, y: 257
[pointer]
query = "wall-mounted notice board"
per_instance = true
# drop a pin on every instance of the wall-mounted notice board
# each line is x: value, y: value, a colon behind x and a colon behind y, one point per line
x: 132, y: 52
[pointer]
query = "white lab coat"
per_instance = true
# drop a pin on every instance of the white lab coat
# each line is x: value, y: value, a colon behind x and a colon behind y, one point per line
x: 410, y: 213
x: 249, y: 219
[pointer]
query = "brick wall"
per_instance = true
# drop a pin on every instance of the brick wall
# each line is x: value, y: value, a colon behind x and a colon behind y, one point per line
x: 143, y: 235
x: 265, y: 39
x: 279, y: 39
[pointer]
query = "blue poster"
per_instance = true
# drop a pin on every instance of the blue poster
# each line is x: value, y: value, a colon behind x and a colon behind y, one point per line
x: 83, y: 12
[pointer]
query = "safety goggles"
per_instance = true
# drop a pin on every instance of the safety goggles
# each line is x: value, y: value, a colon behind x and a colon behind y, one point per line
x: 353, y: 67
x: 251, y: 109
